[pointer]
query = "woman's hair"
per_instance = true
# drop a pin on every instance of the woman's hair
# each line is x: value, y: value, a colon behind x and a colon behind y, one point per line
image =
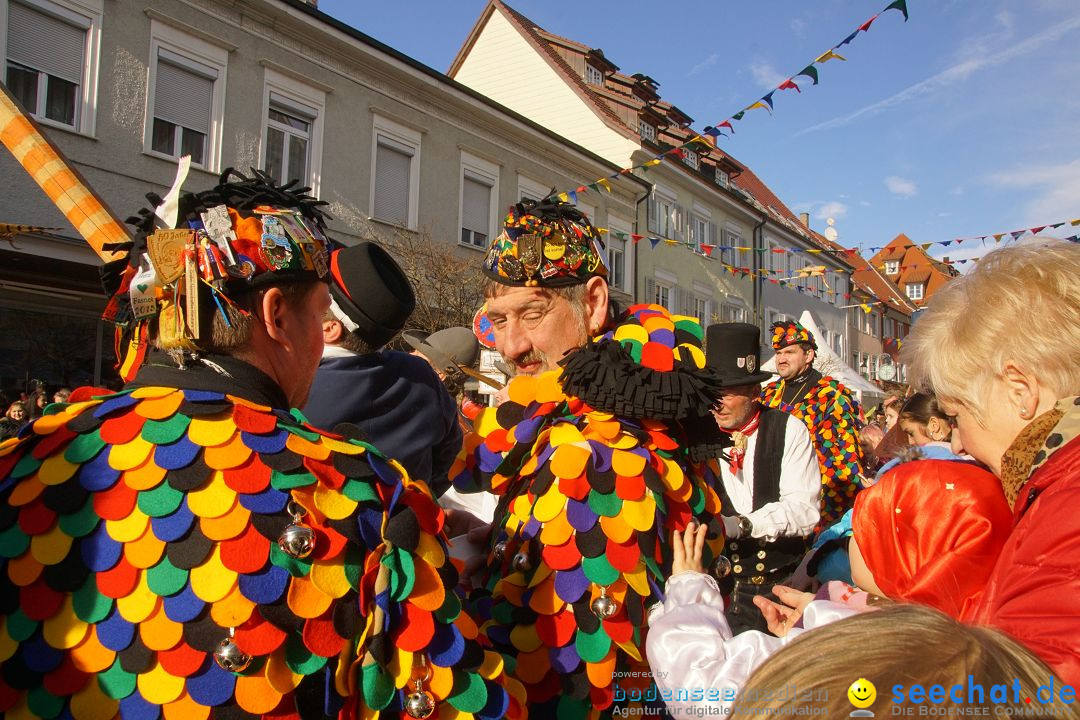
x: 895, y: 648
x: 1020, y: 304
x: 12, y: 406
x: 921, y: 407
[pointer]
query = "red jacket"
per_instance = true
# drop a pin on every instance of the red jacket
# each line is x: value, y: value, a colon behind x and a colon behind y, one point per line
x: 1034, y: 590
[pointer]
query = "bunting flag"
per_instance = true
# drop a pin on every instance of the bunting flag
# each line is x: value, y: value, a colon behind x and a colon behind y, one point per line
x: 765, y: 102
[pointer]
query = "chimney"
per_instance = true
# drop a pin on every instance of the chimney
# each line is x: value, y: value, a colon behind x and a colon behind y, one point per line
x: 804, y: 218
x: 946, y: 260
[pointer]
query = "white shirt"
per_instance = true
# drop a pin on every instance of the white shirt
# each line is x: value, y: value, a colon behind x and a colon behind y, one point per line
x: 797, y: 511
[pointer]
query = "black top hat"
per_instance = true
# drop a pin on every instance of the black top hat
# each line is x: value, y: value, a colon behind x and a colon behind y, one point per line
x: 733, y: 354
x: 371, y: 289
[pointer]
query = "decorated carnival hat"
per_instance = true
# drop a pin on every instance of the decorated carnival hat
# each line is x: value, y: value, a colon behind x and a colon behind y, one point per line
x: 940, y: 558
x: 547, y: 243
x: 650, y: 366
x: 194, y: 254
x: 732, y: 352
x: 370, y: 294
x: 789, y: 332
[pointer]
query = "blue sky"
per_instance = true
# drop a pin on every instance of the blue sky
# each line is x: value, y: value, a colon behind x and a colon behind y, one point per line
x: 962, y: 121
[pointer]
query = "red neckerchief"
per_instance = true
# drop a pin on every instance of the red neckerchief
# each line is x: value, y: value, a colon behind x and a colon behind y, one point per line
x: 740, y: 436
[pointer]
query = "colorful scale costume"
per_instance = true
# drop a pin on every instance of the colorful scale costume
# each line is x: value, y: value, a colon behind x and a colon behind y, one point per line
x: 588, y: 503
x: 141, y: 530
x: 831, y: 414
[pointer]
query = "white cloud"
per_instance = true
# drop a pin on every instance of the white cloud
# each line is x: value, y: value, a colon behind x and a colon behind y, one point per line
x: 833, y: 209
x: 765, y: 74
x: 1005, y: 19
x: 705, y: 64
x: 798, y: 28
x: 1056, y: 188
x: 864, y: 203
x: 901, y: 186
x: 954, y: 74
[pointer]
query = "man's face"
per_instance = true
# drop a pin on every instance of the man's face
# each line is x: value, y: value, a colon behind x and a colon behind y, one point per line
x: 735, y: 405
x: 535, y: 328
x: 305, y: 330
x: 793, y: 361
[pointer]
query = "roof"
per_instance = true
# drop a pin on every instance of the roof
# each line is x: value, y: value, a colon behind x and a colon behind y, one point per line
x: 870, y: 280
x: 443, y: 79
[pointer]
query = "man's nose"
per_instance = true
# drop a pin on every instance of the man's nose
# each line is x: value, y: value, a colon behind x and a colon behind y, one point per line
x: 515, y: 340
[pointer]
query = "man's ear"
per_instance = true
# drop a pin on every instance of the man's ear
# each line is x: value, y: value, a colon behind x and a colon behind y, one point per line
x: 596, y: 304
x: 274, y: 313
x: 332, y: 332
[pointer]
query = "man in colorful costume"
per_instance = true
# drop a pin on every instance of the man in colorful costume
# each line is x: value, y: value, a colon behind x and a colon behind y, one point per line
x: 587, y: 458
x: 830, y: 411
x: 189, y: 547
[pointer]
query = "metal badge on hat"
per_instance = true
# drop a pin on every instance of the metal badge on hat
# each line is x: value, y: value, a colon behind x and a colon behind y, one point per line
x: 555, y: 247
x: 530, y: 253
x: 751, y: 363
x: 275, y: 246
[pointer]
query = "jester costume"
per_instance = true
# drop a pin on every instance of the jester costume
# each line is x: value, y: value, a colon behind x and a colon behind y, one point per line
x: 831, y: 414
x: 187, y: 548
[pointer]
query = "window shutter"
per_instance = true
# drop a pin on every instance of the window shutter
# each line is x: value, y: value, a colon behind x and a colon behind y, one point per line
x: 475, y: 206
x: 183, y: 97
x: 650, y: 291
x: 393, y: 167
x: 46, y: 43
x: 654, y: 213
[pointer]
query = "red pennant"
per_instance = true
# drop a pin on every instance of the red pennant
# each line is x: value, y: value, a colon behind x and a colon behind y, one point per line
x: 789, y: 85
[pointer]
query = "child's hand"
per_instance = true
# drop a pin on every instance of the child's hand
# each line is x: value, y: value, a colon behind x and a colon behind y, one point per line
x: 782, y: 617
x: 687, y: 549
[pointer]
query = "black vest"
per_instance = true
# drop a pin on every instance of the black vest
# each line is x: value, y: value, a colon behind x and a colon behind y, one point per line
x: 754, y: 558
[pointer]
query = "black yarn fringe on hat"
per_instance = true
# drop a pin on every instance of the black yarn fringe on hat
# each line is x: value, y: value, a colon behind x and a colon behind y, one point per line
x: 605, y: 376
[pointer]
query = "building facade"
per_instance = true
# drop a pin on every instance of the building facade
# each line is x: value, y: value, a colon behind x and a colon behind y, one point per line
x: 910, y: 268
x: 124, y: 89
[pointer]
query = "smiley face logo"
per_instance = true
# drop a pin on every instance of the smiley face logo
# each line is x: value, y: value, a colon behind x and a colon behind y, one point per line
x: 862, y: 693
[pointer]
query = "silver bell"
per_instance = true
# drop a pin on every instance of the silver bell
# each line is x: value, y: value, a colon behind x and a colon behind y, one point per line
x: 230, y: 657
x: 604, y: 606
x: 721, y: 568
x: 297, y: 539
x: 522, y: 563
x: 498, y: 551
x: 420, y: 703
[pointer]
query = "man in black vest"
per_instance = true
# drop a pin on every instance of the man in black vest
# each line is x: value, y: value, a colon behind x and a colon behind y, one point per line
x: 769, y: 473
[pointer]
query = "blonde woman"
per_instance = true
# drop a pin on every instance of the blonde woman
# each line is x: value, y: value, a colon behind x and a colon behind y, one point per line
x: 1000, y: 347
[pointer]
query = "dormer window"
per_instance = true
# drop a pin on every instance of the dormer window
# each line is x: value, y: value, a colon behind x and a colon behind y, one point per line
x: 915, y: 291
x: 593, y: 76
x: 648, y: 132
x: 892, y: 267
x: 690, y: 158
x: 722, y: 178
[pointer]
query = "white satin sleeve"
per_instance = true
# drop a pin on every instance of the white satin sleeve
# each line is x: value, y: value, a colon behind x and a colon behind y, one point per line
x: 695, y: 660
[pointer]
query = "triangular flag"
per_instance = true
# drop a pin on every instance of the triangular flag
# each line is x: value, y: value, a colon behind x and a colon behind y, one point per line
x: 707, y: 249
x: 1075, y: 222
x: 768, y: 99
x: 865, y: 27
x: 1016, y: 234
x: 759, y: 104
x: 830, y: 55
x: 900, y: 5
x: 789, y: 85
x: 738, y: 115
x: 849, y: 38
x: 997, y: 238
x: 582, y: 189
x: 1055, y: 226
x: 654, y: 241
x: 865, y: 308
x: 811, y: 72
x: 1037, y: 230
x: 926, y: 246
x: 711, y: 131
x: 635, y: 237
x: 654, y: 161
x: 573, y: 196
x: 605, y: 183
x: 669, y: 241
x: 729, y: 127
x: 593, y: 186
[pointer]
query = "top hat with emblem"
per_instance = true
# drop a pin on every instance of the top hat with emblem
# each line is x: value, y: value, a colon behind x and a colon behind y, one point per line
x: 733, y: 354
x: 370, y: 294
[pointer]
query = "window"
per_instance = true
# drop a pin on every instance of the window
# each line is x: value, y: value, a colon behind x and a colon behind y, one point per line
x: 722, y: 178
x: 730, y: 313
x: 619, y: 255
x: 479, y: 188
x: 699, y: 231
x: 531, y: 189
x: 647, y: 131
x: 292, y: 138
x: 914, y: 291
x: 730, y: 256
x: 892, y: 267
x: 773, y: 316
x: 395, y: 173
x: 663, y: 214
x: 593, y: 76
x: 188, y: 96
x: 701, y: 310
x: 690, y: 158
x: 52, y: 59
x: 660, y: 290
x: 838, y: 344
x: 663, y: 293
